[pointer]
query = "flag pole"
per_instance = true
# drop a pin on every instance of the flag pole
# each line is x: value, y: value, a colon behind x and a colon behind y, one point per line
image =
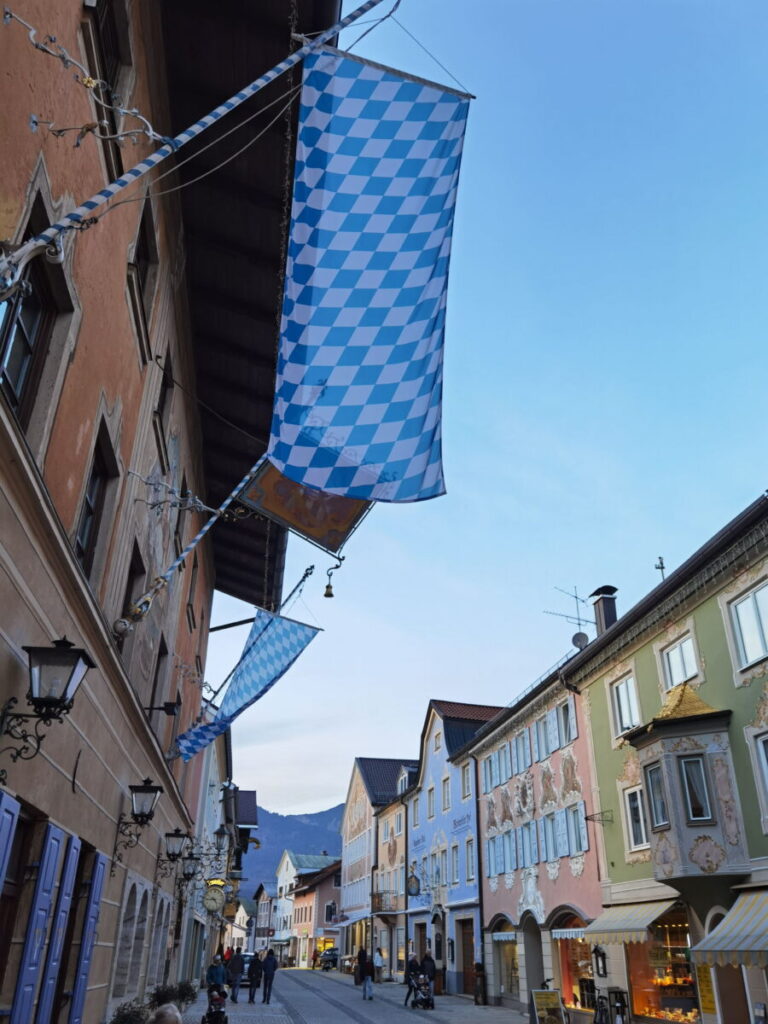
x: 14, y: 261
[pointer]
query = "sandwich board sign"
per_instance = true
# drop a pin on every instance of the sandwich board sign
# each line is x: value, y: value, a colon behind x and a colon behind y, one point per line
x: 547, y: 1006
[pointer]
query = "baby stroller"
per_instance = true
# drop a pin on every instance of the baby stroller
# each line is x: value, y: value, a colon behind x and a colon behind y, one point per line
x: 422, y: 994
x: 217, y: 1003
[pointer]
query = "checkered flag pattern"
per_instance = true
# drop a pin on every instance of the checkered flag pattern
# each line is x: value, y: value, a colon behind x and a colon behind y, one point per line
x: 357, y: 407
x: 273, y: 645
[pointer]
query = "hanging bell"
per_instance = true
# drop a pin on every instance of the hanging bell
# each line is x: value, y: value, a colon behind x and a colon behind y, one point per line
x: 328, y: 590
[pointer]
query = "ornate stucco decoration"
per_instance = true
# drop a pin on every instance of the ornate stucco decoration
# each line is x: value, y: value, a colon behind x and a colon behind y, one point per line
x: 571, y: 789
x: 553, y: 869
x: 509, y: 879
x: 530, y: 898
x: 493, y: 883
x: 724, y: 791
x: 576, y: 864
x: 665, y: 855
x: 506, y: 805
x: 493, y: 820
x: 548, y: 791
x: 707, y: 854
x: 524, y: 798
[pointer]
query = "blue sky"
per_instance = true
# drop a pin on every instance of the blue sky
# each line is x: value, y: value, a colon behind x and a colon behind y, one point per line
x: 605, y: 385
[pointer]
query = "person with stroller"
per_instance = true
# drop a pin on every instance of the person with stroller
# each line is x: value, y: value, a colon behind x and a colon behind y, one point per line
x: 254, y: 977
x: 412, y: 971
x: 268, y: 970
x: 216, y: 976
x: 429, y: 968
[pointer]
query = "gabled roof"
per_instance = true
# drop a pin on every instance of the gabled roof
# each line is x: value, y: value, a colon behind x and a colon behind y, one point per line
x: 310, y: 862
x: 467, y: 712
x: 380, y: 774
x: 311, y: 881
x: 268, y: 889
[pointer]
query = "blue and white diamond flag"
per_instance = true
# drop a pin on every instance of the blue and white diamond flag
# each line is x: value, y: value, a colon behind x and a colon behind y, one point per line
x: 357, y: 407
x: 273, y: 645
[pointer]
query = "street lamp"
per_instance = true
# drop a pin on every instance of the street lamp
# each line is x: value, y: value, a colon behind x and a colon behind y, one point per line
x: 144, y: 797
x: 174, y: 844
x: 55, y: 673
x: 221, y: 837
x: 189, y: 867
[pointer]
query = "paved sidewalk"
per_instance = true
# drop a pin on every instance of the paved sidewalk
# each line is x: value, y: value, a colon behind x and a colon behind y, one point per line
x: 302, y: 996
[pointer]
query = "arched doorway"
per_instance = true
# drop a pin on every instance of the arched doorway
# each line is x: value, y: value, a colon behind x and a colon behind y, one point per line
x: 729, y: 986
x: 534, y: 960
x: 572, y: 960
x: 504, y: 979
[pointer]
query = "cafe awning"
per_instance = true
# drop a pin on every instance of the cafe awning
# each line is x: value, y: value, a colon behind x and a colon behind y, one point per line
x: 627, y: 923
x: 567, y: 933
x: 741, y: 938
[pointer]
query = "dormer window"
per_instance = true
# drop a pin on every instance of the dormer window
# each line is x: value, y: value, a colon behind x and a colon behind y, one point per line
x: 402, y: 783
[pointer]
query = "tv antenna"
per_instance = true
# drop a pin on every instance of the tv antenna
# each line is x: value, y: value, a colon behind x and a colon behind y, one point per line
x: 579, y: 639
x: 660, y: 566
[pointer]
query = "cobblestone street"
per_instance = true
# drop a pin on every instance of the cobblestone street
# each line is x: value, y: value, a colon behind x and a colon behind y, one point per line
x: 315, y: 997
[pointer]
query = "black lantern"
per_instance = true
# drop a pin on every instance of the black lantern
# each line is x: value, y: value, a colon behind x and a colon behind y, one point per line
x: 601, y: 967
x: 220, y: 836
x: 143, y: 801
x: 189, y: 867
x: 55, y: 673
x: 174, y: 844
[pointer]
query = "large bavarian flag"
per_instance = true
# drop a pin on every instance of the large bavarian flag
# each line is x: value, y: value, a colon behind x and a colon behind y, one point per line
x: 360, y: 371
x: 273, y: 645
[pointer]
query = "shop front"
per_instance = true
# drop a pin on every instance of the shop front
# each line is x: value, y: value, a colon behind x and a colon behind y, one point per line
x: 574, y: 973
x: 506, y: 970
x: 661, y: 980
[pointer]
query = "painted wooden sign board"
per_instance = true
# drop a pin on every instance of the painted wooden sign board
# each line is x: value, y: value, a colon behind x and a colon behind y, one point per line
x: 547, y: 1006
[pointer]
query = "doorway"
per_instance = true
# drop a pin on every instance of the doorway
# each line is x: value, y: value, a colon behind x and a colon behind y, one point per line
x: 467, y: 965
x: 420, y: 941
x: 534, y: 962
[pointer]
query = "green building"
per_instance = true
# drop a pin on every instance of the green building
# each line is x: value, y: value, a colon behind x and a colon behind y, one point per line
x: 675, y: 694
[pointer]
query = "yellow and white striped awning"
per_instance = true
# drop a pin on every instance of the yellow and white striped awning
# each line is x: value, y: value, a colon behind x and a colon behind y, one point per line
x: 627, y: 923
x: 742, y: 935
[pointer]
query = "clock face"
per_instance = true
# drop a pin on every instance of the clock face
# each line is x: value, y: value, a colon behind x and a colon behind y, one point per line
x: 213, y: 899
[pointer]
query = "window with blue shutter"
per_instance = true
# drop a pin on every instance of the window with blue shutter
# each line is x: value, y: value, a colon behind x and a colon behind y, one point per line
x: 583, y: 825
x: 87, y: 939
x: 516, y: 767
x: 553, y: 733
x: 58, y: 931
x: 486, y: 775
x: 535, y: 741
x: 495, y: 768
x: 9, y: 815
x: 37, y: 926
x: 527, y: 748
x: 543, y: 841
x: 510, y: 853
x: 534, y: 843
x: 488, y: 871
x: 572, y: 716
x: 561, y: 833
x: 519, y: 844
x: 501, y: 865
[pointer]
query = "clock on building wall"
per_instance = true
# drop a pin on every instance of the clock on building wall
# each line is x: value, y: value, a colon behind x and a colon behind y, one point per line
x: 214, y: 899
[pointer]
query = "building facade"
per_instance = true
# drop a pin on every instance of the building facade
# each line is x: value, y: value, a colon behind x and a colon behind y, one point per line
x: 315, y: 912
x: 292, y: 870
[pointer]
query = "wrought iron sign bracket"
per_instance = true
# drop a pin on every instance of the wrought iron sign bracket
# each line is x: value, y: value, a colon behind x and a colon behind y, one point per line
x: 126, y: 837
x: 13, y: 724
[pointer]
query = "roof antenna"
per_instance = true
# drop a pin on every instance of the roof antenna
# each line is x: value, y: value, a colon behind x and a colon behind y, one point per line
x: 660, y: 566
x: 579, y: 639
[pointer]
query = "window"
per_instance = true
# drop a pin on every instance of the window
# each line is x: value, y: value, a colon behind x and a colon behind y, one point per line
x: 495, y: 769
x: 490, y: 867
x: 431, y: 802
x: 679, y: 663
x: 750, y: 621
x: 540, y: 727
x: 519, y: 761
x: 158, y: 679
x: 550, y: 842
x: 454, y: 865
x: 191, y: 622
x: 470, y: 849
x: 434, y: 867
x: 510, y: 852
x: 438, y: 740
x: 415, y: 812
x: 26, y: 319
x: 162, y: 416
x: 636, y: 832
x: 402, y: 783
x: 656, y: 800
x: 181, y: 518
x: 566, y: 724
x: 106, y: 47
x: 487, y: 775
x: 399, y: 823
x: 626, y: 714
x: 446, y: 794
x: 330, y: 911
x: 386, y: 832
x: 575, y: 839
x: 466, y: 785
x: 444, y: 867
x: 695, y: 788
x: 92, y: 511
x: 134, y: 588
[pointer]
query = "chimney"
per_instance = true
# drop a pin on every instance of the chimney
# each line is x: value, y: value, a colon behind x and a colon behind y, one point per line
x: 605, y: 608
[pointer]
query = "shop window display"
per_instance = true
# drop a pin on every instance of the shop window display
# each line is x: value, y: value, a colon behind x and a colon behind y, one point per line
x: 577, y: 983
x: 662, y: 979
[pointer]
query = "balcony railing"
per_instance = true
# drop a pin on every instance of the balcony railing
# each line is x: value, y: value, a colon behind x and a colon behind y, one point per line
x: 384, y: 902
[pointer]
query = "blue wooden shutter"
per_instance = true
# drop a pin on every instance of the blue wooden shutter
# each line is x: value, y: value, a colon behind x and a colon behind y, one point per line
x: 486, y: 774
x: 87, y: 939
x: 561, y: 833
x: 487, y: 852
x: 553, y: 732
x: 534, y: 843
x: 58, y: 931
x: 572, y: 716
x: 519, y: 844
x: 583, y: 826
x: 527, y: 747
x: 515, y: 765
x: 545, y: 853
x: 511, y: 851
x: 9, y: 815
x: 37, y: 927
x: 501, y: 856
x: 535, y: 742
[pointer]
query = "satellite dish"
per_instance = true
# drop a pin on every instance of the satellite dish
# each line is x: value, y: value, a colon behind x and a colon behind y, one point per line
x: 580, y: 640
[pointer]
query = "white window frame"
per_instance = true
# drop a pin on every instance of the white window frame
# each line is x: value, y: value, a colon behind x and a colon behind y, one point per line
x: 385, y: 831
x: 666, y: 653
x: 564, y: 724
x: 444, y: 867
x: 455, y: 864
x: 431, y: 802
x: 438, y: 740
x: 550, y: 837
x: 445, y: 793
x: 466, y: 782
x: 399, y: 823
x: 654, y: 768
x: 686, y: 791
x: 415, y: 812
x: 632, y: 846
x: 628, y: 680
x: 469, y: 849
x: 540, y: 725
x: 751, y: 596
x: 575, y: 844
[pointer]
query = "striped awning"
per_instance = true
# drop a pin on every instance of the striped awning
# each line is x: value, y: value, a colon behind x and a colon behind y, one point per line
x: 627, y: 923
x: 567, y: 933
x: 741, y: 938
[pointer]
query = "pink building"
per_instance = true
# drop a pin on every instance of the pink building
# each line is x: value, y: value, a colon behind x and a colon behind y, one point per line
x: 539, y: 862
x: 315, y: 912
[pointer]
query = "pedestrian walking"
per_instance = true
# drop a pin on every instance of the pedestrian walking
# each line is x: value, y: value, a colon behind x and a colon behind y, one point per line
x: 167, y: 1014
x: 268, y: 970
x: 429, y: 968
x: 255, y: 971
x: 367, y: 975
x: 315, y: 955
x: 411, y: 973
x: 228, y: 954
x: 235, y: 969
x: 215, y: 976
x: 362, y: 956
x: 378, y: 964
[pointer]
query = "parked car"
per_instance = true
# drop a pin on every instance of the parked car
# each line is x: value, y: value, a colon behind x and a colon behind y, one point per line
x: 329, y: 958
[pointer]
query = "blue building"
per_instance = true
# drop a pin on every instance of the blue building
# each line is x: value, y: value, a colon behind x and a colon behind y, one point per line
x: 443, y: 855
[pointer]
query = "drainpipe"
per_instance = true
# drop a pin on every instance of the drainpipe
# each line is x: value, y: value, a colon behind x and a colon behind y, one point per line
x: 479, y: 875
x: 405, y: 893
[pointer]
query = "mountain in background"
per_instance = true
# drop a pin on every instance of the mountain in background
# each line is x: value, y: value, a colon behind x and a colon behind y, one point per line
x: 302, y: 833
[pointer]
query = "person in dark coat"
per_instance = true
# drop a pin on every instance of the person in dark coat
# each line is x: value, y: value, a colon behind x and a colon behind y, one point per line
x: 254, y: 977
x: 235, y: 968
x: 429, y: 968
x: 411, y: 973
x: 368, y: 976
x: 268, y: 970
